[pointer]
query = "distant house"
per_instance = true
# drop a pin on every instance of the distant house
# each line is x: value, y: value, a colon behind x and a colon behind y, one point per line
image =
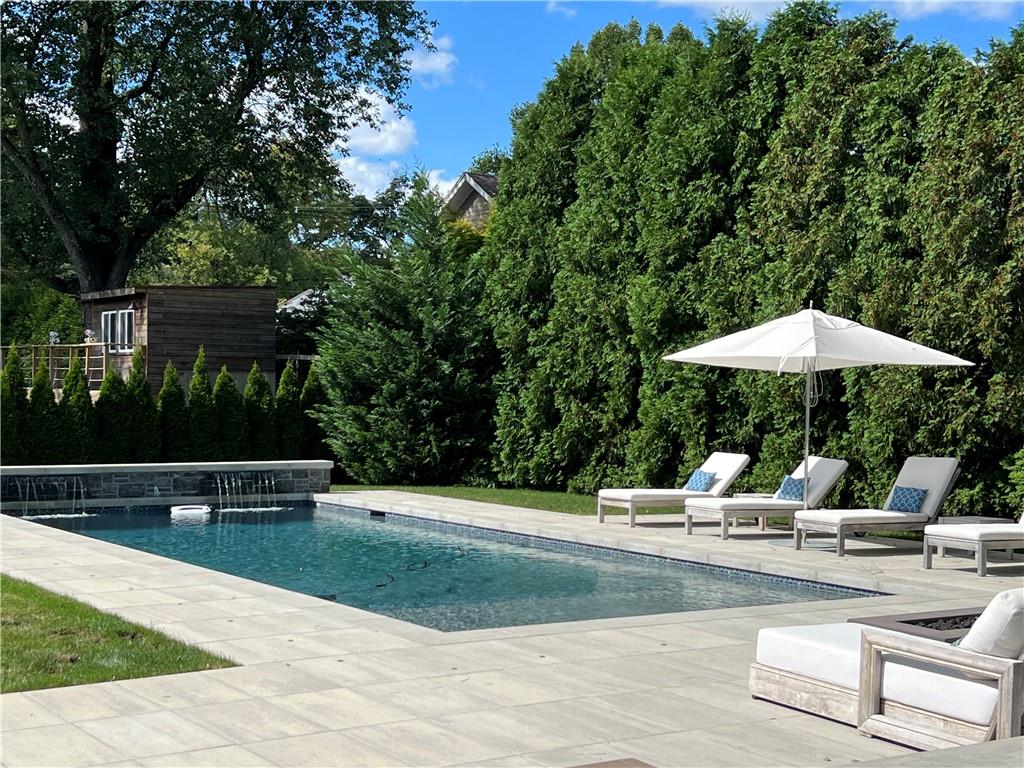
x: 234, y: 325
x: 471, y: 196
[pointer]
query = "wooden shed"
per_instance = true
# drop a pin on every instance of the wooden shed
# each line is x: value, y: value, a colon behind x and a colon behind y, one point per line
x: 235, y: 325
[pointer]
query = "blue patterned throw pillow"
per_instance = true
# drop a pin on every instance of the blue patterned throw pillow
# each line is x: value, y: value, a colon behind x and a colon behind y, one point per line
x: 700, y: 481
x: 792, y: 488
x: 907, y: 499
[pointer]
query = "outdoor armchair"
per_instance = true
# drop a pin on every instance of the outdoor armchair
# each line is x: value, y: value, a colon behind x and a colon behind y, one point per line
x: 913, y: 690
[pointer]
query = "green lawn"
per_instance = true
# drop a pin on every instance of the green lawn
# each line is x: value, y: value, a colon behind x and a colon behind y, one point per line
x: 50, y: 641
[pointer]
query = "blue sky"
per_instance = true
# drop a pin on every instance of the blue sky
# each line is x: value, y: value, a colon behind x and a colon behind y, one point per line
x: 491, y: 56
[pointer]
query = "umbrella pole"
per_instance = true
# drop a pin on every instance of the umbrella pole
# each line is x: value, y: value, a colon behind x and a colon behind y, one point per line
x: 807, y: 424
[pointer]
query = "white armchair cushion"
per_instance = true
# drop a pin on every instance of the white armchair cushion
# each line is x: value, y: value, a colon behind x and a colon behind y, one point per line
x: 999, y: 631
x: 831, y: 653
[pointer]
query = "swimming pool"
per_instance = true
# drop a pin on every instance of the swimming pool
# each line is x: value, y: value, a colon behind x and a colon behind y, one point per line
x: 438, y: 575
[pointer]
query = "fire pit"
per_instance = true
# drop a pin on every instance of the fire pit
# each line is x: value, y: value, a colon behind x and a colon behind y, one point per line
x: 945, y: 626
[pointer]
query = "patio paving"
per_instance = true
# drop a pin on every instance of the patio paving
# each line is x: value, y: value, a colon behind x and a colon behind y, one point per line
x: 326, y: 684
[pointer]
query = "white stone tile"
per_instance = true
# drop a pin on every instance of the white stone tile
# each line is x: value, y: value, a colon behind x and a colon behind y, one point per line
x: 218, y: 757
x: 340, y: 708
x: 154, y: 733
x: 17, y: 710
x: 92, y: 702
x: 327, y: 750
x: 54, y: 745
x: 240, y: 722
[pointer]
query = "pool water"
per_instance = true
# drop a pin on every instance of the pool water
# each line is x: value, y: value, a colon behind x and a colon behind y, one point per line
x: 439, y: 576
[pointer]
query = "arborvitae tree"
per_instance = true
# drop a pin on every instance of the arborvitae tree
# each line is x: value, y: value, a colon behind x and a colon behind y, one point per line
x: 406, y: 357
x: 313, y: 397
x: 44, y: 434
x: 202, y: 436
x: 288, y: 414
x: 143, y: 418
x: 229, y: 419
x: 13, y: 411
x: 173, y: 417
x: 78, y: 416
x: 113, y: 436
x: 259, y: 416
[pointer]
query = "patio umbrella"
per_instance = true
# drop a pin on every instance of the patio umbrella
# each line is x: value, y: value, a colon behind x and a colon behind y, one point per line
x: 809, y: 342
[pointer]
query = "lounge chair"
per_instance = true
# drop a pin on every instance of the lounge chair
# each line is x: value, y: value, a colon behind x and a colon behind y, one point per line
x: 913, y: 690
x: 978, y: 538
x: 935, y: 475
x: 725, y: 467
x: 822, y: 476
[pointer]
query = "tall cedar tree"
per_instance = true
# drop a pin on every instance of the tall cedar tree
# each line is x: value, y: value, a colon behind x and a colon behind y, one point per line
x: 312, y: 398
x: 13, y: 411
x: 44, y: 434
x: 229, y: 427
x: 78, y: 416
x: 202, y: 435
x: 288, y: 414
x: 173, y: 417
x: 243, y: 99
x: 261, y: 428
x: 143, y: 420
x: 113, y: 436
x: 407, y: 359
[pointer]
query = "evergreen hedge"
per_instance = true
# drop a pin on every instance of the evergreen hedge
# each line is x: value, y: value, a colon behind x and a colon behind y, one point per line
x: 77, y: 415
x: 113, y: 420
x: 288, y: 414
x: 202, y: 439
x: 143, y: 419
x: 173, y: 418
x: 261, y: 426
x: 44, y: 433
x: 229, y: 427
x: 13, y: 410
x: 664, y: 190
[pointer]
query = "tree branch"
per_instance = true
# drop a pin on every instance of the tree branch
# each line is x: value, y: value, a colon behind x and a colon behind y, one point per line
x: 147, y: 82
x: 29, y: 168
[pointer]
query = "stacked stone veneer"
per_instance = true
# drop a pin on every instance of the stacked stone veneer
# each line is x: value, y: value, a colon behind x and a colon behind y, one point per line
x: 56, y: 487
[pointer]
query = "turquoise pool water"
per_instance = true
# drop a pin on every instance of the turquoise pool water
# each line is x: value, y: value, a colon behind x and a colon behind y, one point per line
x: 443, y: 577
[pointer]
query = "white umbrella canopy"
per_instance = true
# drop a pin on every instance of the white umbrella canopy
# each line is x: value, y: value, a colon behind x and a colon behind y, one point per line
x: 807, y: 342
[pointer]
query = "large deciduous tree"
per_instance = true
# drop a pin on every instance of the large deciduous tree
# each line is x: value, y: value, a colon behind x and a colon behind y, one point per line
x: 116, y: 114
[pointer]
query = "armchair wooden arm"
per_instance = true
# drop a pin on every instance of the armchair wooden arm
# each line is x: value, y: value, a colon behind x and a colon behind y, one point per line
x: 1007, y: 673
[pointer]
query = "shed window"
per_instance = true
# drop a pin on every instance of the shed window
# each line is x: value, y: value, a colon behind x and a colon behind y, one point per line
x: 118, y: 330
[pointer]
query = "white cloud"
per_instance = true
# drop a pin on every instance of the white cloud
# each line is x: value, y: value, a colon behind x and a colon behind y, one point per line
x: 554, y: 6
x: 367, y: 176
x: 394, y: 134
x: 977, y: 9
x: 434, y: 68
x: 437, y: 179
x: 755, y: 10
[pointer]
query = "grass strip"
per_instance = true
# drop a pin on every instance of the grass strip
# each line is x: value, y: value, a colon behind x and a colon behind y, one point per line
x: 51, y: 641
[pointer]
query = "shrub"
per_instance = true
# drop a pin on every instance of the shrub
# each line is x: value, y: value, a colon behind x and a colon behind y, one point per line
x: 78, y: 416
x: 44, y: 435
x: 288, y: 414
x: 113, y: 438
x: 202, y: 438
x: 259, y: 416
x: 229, y: 419
x: 173, y: 417
x: 13, y: 410
x: 314, y: 440
x: 143, y: 421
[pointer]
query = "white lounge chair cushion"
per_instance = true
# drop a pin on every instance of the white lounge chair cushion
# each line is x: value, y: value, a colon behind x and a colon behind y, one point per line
x: 932, y: 473
x: 999, y: 631
x: 1009, y: 532
x: 865, y: 516
x: 831, y: 653
x: 726, y: 467
x: 640, y: 495
x: 743, y: 503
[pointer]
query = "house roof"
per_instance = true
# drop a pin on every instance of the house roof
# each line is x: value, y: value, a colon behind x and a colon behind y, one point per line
x: 483, y: 184
x: 140, y: 290
x: 299, y: 301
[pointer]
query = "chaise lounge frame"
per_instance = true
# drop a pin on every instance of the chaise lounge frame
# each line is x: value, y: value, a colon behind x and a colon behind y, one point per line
x: 878, y: 717
x: 840, y: 530
x: 980, y: 548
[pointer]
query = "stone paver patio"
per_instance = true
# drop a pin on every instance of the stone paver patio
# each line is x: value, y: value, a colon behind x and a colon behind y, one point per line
x: 326, y: 684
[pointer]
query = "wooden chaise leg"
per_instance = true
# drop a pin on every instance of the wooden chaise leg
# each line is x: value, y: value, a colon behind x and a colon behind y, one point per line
x: 981, y: 559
